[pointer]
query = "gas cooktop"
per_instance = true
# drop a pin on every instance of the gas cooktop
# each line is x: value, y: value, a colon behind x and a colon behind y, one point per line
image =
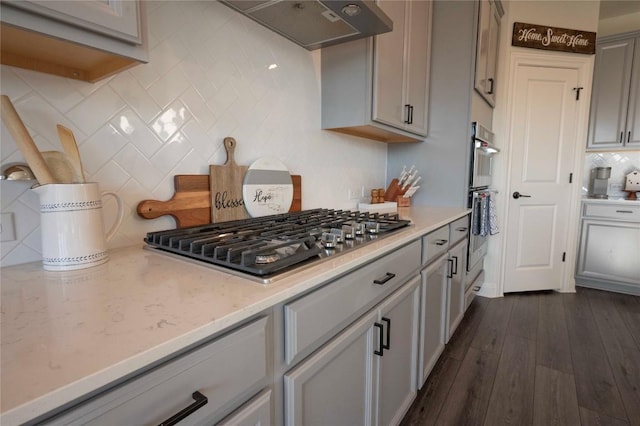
x: 267, y: 247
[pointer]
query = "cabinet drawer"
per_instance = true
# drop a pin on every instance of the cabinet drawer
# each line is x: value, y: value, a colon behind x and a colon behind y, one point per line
x: 215, y: 370
x: 316, y: 317
x: 434, y: 244
x: 458, y: 230
x: 613, y: 211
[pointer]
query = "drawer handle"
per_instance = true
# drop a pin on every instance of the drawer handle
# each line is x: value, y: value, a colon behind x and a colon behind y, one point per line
x: 624, y: 211
x: 388, y: 344
x: 462, y: 229
x: 380, y: 337
x: 200, y: 401
x: 440, y: 242
x: 386, y: 278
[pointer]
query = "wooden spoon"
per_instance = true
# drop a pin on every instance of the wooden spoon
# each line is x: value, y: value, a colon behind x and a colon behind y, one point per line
x: 61, y: 168
x: 70, y: 148
x: 25, y: 143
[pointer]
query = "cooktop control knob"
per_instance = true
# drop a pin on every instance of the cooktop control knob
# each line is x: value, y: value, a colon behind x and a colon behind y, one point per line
x: 329, y: 240
x: 373, y: 227
x: 339, y: 233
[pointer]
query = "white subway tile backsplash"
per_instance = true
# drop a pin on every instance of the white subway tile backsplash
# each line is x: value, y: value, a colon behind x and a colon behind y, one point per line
x: 96, y: 109
x: 621, y: 163
x: 208, y: 78
x: 132, y: 92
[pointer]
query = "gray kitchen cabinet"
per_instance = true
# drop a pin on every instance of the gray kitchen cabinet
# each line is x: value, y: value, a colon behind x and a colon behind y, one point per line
x: 433, y: 299
x: 614, y: 121
x: 397, y: 387
x: 307, y: 325
x: 159, y: 394
x: 610, y: 247
x: 256, y: 412
x: 489, y: 17
x: 455, y: 287
x: 88, y: 40
x: 366, y: 375
x: 378, y: 88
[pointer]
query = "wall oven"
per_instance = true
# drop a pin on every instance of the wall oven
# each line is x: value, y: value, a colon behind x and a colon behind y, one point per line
x: 480, y: 193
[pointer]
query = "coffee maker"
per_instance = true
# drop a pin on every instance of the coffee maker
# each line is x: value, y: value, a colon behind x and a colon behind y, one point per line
x: 599, y: 182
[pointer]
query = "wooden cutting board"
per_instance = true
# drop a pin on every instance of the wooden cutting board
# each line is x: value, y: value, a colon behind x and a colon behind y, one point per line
x: 225, y: 185
x: 191, y: 203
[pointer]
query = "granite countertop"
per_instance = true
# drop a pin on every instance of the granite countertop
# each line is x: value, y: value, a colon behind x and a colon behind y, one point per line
x: 65, y: 334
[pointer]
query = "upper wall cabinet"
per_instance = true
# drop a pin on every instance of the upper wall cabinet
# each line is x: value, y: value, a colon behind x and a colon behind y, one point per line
x: 88, y: 40
x: 378, y: 88
x: 615, y: 101
x: 490, y: 15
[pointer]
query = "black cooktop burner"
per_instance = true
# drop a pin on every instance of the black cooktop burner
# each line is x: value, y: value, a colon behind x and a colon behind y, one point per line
x: 270, y: 245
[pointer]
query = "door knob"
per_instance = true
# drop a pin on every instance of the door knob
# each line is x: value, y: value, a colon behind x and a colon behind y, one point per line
x: 517, y: 195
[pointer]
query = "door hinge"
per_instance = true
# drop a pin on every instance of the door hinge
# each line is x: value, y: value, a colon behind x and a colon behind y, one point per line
x: 564, y: 256
x: 578, y: 89
x: 570, y: 177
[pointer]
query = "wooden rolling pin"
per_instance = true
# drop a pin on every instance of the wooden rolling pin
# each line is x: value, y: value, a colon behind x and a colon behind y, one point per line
x: 25, y: 143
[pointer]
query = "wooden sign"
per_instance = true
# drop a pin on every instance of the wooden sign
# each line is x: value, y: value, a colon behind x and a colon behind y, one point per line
x: 552, y: 38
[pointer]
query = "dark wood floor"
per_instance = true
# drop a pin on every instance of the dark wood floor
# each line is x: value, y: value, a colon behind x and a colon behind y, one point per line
x: 538, y: 359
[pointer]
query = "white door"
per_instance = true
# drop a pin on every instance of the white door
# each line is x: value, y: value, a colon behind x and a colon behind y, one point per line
x: 543, y: 133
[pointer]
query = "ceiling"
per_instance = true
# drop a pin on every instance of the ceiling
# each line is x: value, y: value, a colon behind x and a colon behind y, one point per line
x: 613, y: 8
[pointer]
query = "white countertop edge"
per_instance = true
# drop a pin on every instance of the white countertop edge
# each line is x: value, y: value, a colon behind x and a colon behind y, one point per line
x: 609, y: 201
x: 103, y: 378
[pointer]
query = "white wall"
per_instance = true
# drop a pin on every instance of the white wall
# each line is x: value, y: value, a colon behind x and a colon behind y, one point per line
x: 207, y: 79
x: 582, y: 15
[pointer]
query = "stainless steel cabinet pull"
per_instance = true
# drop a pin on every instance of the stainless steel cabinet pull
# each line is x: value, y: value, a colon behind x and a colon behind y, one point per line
x: 388, y: 344
x: 386, y: 278
x: 200, y: 401
x: 624, y: 211
x: 380, y: 332
x: 440, y: 242
x: 517, y: 195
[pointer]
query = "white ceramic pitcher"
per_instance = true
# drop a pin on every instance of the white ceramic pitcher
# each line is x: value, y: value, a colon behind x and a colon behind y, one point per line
x: 72, y: 227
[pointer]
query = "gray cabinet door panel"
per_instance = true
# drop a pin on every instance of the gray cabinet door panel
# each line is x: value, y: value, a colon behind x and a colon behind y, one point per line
x: 609, y: 251
x: 610, y: 94
x: 335, y: 385
x: 397, y: 386
x: 256, y: 412
x: 432, y: 317
x: 633, y: 113
x: 456, y: 287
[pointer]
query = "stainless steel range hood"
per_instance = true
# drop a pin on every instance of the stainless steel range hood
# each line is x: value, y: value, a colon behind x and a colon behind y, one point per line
x: 313, y: 23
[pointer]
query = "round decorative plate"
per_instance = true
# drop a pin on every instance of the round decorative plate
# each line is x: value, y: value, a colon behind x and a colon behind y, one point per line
x: 267, y: 188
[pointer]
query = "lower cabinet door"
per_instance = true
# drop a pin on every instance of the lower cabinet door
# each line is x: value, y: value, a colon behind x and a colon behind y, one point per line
x: 609, y: 251
x: 432, y: 317
x: 397, y: 387
x: 257, y: 411
x: 335, y: 385
x: 456, y: 284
